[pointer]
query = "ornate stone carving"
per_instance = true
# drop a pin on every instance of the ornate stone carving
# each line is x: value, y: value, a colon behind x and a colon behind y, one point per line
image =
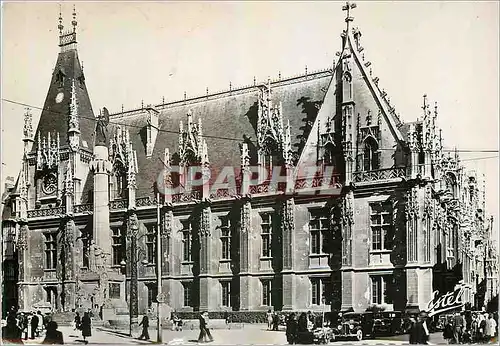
x: 48, y: 152
x: 168, y: 219
x: 68, y: 180
x: 22, y: 238
x: 347, y: 212
x: 192, y: 145
x: 132, y: 167
x: 205, y: 219
x: 28, y: 125
x: 245, y: 158
x: 123, y: 157
x: 287, y: 228
x: 73, y: 123
x: 273, y: 138
x: 101, y: 131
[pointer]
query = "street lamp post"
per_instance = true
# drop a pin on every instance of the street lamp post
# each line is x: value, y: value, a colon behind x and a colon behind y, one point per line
x: 134, y: 304
x: 159, y: 298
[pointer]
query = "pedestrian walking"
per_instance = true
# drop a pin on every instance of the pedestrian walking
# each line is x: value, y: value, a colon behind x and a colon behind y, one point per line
x: 304, y: 336
x: 226, y: 318
x: 34, y: 325
x: 41, y: 325
x: 291, y: 329
x: 269, y: 319
x: 276, y: 321
x: 204, y: 331
x: 491, y: 326
x: 53, y: 336
x: 86, y: 327
x: 413, y: 330
x: 458, y: 327
x: 22, y: 324
x: 11, y: 333
x: 207, y: 326
x: 422, y: 331
x: 145, y: 325
x: 77, y: 321
x: 448, y: 331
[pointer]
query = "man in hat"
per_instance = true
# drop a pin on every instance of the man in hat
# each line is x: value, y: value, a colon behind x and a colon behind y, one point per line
x: 458, y: 327
x: 422, y: 330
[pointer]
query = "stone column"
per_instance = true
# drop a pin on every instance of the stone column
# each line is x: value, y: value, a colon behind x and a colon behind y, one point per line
x: 68, y: 294
x: 206, y: 258
x: 24, y: 260
x: 101, y: 167
x: 246, y: 250
x: 288, y: 230
x: 347, y: 276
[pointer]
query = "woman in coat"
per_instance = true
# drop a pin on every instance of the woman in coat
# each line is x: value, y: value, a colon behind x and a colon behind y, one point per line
x: 86, y: 327
x: 291, y: 329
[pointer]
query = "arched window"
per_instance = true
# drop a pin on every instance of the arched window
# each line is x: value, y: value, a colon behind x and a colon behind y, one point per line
x: 371, y: 155
x: 328, y: 157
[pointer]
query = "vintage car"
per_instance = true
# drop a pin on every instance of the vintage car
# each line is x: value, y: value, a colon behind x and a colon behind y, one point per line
x: 354, y: 325
x: 388, y: 323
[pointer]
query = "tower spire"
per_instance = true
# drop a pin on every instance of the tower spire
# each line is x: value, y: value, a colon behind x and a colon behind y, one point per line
x: 60, y: 26
x: 74, y: 22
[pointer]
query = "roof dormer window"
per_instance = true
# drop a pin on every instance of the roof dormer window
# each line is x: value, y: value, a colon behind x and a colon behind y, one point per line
x: 60, y: 78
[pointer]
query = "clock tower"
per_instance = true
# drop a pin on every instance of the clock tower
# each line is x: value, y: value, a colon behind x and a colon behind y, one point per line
x: 67, y: 110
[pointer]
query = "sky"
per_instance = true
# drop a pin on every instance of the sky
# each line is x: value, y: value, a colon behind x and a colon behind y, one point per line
x: 143, y: 52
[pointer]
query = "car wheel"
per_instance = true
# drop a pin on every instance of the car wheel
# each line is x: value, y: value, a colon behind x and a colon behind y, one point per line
x: 359, y: 335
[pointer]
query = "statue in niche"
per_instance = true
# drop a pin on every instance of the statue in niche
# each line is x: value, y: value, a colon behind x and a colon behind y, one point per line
x: 101, y: 131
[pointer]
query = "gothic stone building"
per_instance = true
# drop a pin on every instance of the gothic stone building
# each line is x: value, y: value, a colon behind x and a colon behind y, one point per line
x: 384, y: 238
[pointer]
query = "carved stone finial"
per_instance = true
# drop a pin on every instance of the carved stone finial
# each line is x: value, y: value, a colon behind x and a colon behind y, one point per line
x: 28, y: 124
x: 60, y: 26
x: 74, y: 22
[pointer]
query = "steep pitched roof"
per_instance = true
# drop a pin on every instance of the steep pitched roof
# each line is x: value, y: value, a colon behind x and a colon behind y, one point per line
x: 382, y: 101
x: 55, y: 113
x: 231, y: 114
x: 367, y: 94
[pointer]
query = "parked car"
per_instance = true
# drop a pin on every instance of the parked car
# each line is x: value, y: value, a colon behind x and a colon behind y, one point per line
x: 355, y: 325
x: 388, y: 323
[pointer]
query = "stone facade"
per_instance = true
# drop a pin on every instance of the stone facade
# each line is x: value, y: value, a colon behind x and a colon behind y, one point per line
x: 402, y: 219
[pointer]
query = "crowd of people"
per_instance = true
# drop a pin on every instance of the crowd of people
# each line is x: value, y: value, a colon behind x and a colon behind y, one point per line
x: 21, y: 326
x: 273, y: 320
x: 300, y: 331
x: 470, y: 327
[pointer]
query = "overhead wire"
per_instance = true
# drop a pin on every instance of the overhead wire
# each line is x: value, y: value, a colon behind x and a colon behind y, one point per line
x: 220, y: 137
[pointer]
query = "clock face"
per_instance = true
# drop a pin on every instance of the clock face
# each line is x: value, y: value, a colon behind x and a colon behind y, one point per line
x: 59, y: 97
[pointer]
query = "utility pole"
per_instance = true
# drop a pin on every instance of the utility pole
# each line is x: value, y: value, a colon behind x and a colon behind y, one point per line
x: 159, y: 297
